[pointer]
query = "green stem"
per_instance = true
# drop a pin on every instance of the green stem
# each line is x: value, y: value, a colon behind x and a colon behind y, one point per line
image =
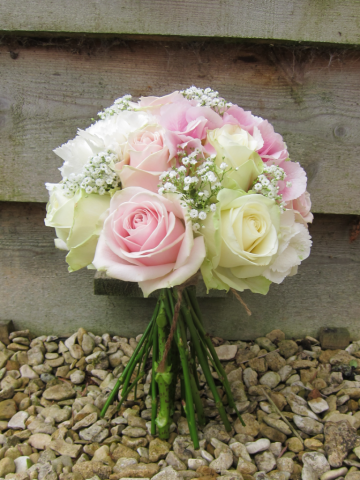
x: 205, y: 366
x: 121, y: 380
x: 216, y: 362
x: 190, y: 295
x: 189, y: 405
x: 128, y: 390
x: 164, y: 378
x: 138, y: 360
x: 193, y: 365
x: 153, y: 381
x: 197, y: 402
x: 180, y: 337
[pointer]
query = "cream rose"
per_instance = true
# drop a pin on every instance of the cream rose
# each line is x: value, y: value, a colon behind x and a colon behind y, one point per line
x: 78, y: 222
x: 236, y: 147
x: 241, y: 239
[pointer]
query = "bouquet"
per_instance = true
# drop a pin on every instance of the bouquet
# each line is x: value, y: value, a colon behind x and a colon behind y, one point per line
x: 166, y: 189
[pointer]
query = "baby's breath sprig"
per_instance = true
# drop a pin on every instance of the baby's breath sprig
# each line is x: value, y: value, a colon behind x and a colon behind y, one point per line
x: 207, y: 98
x: 119, y: 105
x: 267, y: 183
x: 97, y: 176
x: 197, y: 181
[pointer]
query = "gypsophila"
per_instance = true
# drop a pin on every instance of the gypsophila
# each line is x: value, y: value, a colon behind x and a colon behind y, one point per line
x: 97, y: 176
x: 207, y: 98
x: 120, y: 104
x: 198, y: 180
x: 267, y: 183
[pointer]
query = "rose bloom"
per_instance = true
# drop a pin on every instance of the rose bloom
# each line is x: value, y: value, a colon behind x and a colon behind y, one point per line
x: 302, y: 207
x: 294, y: 247
x: 77, y: 221
x: 241, y: 238
x: 237, y: 148
x: 148, y: 238
x: 146, y: 157
x: 273, y: 147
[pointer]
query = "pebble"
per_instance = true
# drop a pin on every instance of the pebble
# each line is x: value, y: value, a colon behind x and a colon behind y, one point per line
x: 331, y: 474
x: 18, y: 421
x: 258, y: 446
x: 270, y: 379
x: 195, y: 463
x: 318, y: 405
x: 308, y: 425
x: 226, y: 352
x: 59, y: 392
x: 77, y: 377
x: 265, y: 461
x: 315, y: 465
x: 39, y: 441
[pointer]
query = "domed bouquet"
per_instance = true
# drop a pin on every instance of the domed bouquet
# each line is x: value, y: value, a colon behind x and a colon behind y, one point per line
x: 166, y: 189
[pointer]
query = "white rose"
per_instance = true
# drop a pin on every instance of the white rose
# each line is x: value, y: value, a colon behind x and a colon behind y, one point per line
x: 109, y: 134
x: 237, y: 148
x: 294, y: 247
x: 241, y: 239
x: 78, y: 222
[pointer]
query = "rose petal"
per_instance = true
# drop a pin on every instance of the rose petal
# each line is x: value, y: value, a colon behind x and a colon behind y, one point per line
x: 180, y: 275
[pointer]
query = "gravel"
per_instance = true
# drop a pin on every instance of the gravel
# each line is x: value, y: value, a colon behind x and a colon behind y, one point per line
x: 300, y: 404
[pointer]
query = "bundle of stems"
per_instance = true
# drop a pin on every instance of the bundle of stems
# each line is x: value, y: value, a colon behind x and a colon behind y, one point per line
x: 174, y: 357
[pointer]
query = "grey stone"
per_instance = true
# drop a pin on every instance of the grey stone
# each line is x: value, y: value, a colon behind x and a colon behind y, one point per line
x: 270, y: 379
x: 240, y: 450
x: 223, y: 462
x: 18, y: 421
x: 315, y: 465
x: 278, y: 424
x: 173, y: 460
x: 87, y: 344
x: 63, y: 448
x: 226, y: 352
x: 308, y: 425
x: 195, y: 463
x: 168, y: 473
x: 59, y: 392
x: 265, y: 343
x: 287, y: 348
x: 77, y: 377
x: 340, y: 438
x: 265, y: 461
x: 318, y: 405
x: 332, y: 474
x: 258, y: 446
x: 250, y: 377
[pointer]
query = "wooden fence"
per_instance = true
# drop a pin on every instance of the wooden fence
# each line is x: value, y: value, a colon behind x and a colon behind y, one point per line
x: 294, y: 63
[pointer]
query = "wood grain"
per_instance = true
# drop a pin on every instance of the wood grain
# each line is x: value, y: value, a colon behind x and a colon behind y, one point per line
x: 300, y: 21
x: 37, y: 292
x: 311, y: 96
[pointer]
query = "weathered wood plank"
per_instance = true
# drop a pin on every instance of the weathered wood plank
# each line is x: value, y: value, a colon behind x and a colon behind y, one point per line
x: 300, y: 21
x: 37, y: 292
x: 104, y: 285
x: 311, y: 96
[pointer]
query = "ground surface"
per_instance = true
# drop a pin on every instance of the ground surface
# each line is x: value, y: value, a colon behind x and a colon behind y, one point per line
x: 299, y: 400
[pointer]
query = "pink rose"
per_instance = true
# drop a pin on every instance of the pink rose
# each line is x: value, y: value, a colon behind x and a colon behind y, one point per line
x: 153, y: 104
x: 146, y: 157
x: 302, y: 207
x: 273, y: 148
x: 294, y: 184
x: 184, y: 122
x: 148, y: 239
